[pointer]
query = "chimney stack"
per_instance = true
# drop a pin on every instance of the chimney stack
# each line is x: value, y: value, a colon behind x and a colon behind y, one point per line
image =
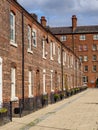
x: 74, y: 22
x: 43, y: 21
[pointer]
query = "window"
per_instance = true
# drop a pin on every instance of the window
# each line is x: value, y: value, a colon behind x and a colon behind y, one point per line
x: 13, y: 84
x: 44, y: 48
x: 12, y: 27
x: 86, y: 68
x: 51, y: 76
x: 94, y: 57
x: 44, y: 81
x: 51, y: 50
x: 85, y: 79
x: 30, y: 84
x: 81, y: 58
x: 94, y: 47
x: 85, y: 47
x: 80, y: 48
x: 64, y: 57
x: 82, y: 37
x: 63, y: 38
x: 94, y: 68
x: 59, y: 55
x: 85, y: 58
x: 95, y: 37
x: 29, y: 39
x: 34, y: 38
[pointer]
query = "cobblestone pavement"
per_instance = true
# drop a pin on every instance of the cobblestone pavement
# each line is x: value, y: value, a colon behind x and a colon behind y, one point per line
x: 79, y: 112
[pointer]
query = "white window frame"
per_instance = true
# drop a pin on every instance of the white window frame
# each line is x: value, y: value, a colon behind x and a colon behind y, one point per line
x: 94, y: 58
x: 85, y: 79
x: 59, y: 55
x: 34, y: 37
x: 63, y: 38
x: 13, y: 84
x: 12, y: 29
x: 82, y: 37
x: 85, y: 68
x: 54, y: 48
x: 1, y: 87
x: 95, y: 37
x: 30, y: 85
x: 93, y: 68
x: 94, y: 47
x: 44, y: 48
x: 29, y: 39
x: 51, y: 50
x: 81, y: 58
x: 44, y: 81
x: 85, y: 58
x: 51, y: 79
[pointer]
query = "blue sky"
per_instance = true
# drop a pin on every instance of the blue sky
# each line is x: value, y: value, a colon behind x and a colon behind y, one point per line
x: 59, y: 12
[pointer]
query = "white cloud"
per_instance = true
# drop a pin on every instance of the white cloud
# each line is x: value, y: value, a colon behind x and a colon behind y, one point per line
x: 60, y: 12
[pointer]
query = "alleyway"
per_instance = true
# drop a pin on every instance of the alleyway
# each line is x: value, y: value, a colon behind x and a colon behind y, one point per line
x: 79, y: 112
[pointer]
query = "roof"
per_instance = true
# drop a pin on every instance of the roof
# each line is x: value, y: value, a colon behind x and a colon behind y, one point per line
x: 79, y: 29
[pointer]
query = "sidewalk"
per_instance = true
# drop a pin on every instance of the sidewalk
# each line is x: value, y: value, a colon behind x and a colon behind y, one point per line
x: 79, y: 112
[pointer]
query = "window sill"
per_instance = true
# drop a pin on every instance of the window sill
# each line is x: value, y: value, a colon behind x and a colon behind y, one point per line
x: 51, y: 58
x: 30, y: 51
x: 44, y: 57
x: 14, y: 99
x: 30, y: 96
x: 13, y: 44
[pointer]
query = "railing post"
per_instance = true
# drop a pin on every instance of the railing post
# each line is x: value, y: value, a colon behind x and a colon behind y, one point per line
x: 10, y: 111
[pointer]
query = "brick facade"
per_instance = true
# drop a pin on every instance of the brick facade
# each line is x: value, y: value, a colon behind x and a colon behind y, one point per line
x: 26, y: 67
x: 83, y: 48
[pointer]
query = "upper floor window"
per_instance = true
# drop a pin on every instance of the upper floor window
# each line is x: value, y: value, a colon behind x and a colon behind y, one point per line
x: 85, y: 58
x: 44, y: 48
x: 51, y: 50
x: 94, y: 68
x: 29, y: 39
x: 12, y: 27
x: 86, y: 68
x: 34, y: 38
x: 95, y: 37
x: 94, y: 57
x: 59, y: 55
x: 81, y: 58
x: 94, y: 47
x: 80, y: 48
x: 82, y: 37
x: 85, y: 47
x: 63, y: 38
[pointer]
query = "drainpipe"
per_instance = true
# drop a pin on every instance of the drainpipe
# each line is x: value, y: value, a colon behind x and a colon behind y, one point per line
x: 22, y: 60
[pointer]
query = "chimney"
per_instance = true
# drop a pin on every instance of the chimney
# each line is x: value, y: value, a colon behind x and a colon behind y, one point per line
x: 74, y: 22
x: 34, y: 16
x: 43, y: 21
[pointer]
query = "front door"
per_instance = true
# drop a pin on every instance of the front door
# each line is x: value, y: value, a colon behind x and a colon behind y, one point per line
x: 1, y: 100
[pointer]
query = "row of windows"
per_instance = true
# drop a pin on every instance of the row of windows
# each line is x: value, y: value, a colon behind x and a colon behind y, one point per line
x: 85, y: 47
x: 82, y: 37
x: 31, y: 82
x: 85, y: 58
x: 94, y: 68
x: 32, y: 40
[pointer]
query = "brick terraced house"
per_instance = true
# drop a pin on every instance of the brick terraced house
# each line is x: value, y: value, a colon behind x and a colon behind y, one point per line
x: 83, y: 40
x: 33, y: 61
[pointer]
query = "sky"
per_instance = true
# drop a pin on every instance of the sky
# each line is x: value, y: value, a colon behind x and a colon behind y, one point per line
x: 59, y: 12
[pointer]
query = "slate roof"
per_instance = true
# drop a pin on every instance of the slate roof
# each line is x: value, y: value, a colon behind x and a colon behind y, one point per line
x: 79, y: 29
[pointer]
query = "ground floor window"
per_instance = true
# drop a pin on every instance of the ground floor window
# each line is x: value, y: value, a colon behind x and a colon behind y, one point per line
x: 85, y: 79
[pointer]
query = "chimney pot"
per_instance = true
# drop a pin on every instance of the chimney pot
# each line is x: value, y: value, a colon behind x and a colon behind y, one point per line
x: 43, y: 21
x: 74, y: 22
